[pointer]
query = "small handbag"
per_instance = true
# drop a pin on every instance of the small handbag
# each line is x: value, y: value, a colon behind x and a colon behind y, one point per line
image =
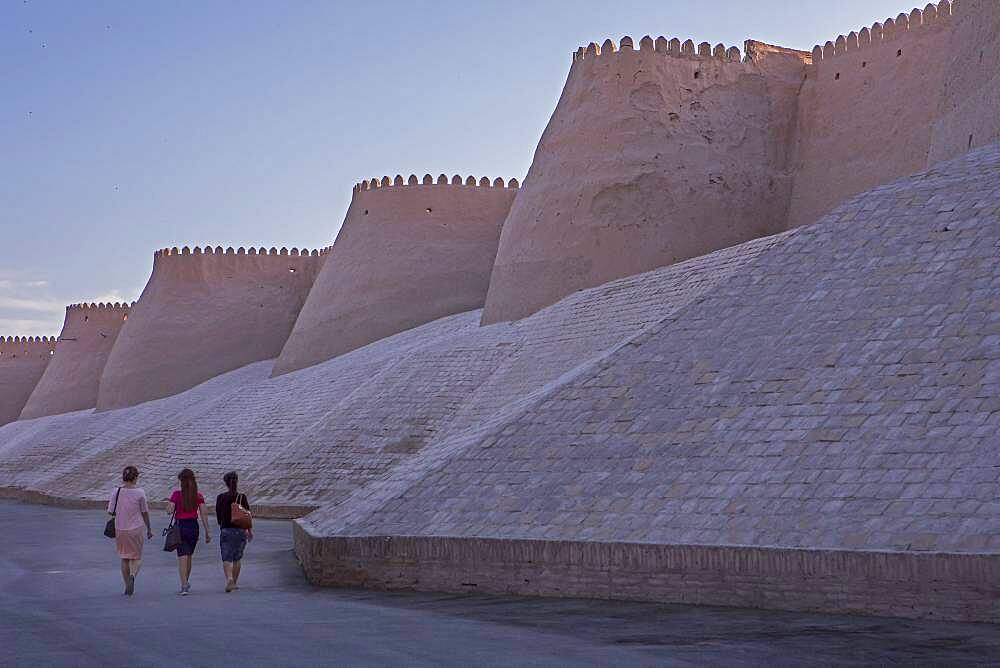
x: 240, y: 517
x: 172, y: 534
x: 109, y: 528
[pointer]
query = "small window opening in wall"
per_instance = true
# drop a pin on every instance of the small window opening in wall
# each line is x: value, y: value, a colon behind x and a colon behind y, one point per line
x: 864, y: 64
x: 697, y: 75
x: 430, y: 210
x: 899, y: 53
x: 837, y: 77
x: 366, y: 212
x: 970, y: 141
x: 86, y: 318
x: 291, y: 270
x: 125, y: 317
x: 52, y: 352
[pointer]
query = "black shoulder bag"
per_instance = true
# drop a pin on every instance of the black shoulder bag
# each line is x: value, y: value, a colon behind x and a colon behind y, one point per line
x: 109, y: 528
x: 172, y: 535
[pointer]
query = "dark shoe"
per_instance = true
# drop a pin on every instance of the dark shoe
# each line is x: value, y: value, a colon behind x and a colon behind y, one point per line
x: 130, y: 586
x: 230, y: 585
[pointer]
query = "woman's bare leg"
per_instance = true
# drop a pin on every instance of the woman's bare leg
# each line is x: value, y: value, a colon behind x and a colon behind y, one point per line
x: 184, y: 568
x: 134, y: 566
x: 125, y: 571
x: 236, y: 571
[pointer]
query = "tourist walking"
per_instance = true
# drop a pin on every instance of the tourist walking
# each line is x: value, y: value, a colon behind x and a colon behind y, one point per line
x: 232, y: 538
x: 187, y: 505
x: 131, y: 512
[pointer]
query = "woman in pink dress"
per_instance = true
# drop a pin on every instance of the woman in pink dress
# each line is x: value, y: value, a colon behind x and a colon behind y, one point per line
x: 128, y: 505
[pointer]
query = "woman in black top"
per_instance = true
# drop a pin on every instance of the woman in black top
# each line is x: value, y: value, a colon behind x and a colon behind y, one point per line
x: 232, y: 540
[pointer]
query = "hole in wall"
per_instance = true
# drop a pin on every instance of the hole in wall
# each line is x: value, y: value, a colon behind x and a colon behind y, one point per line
x: 697, y: 75
x: 86, y: 318
x: 864, y: 64
x: 899, y: 53
x: 366, y: 212
x: 429, y: 210
x: 970, y: 141
x: 291, y: 270
x: 837, y: 77
x: 125, y: 317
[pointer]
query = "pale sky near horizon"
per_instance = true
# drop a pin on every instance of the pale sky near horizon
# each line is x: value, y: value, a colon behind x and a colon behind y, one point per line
x: 127, y: 127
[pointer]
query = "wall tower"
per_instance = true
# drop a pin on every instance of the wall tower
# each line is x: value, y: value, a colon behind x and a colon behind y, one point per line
x: 205, y: 312
x: 409, y: 252
x: 657, y: 152
x: 23, y: 360
x: 72, y: 376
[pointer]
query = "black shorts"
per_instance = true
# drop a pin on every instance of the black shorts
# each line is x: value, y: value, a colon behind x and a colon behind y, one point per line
x: 189, y: 537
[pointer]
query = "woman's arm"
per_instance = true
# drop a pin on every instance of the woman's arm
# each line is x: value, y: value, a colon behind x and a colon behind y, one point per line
x: 204, y: 521
x: 149, y: 527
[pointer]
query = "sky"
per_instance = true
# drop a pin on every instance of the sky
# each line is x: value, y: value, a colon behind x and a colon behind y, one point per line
x: 131, y: 126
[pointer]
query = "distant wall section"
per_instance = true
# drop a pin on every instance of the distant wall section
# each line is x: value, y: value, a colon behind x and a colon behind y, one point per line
x: 205, y: 312
x: 969, y: 114
x: 410, y: 251
x: 657, y: 152
x: 23, y: 360
x: 71, y: 379
x: 868, y: 108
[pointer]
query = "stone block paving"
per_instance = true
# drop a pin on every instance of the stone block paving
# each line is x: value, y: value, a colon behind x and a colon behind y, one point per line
x: 319, y: 434
x: 839, y: 390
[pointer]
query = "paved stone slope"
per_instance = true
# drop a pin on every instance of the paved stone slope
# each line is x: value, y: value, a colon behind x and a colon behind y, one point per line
x: 841, y: 390
x: 316, y: 435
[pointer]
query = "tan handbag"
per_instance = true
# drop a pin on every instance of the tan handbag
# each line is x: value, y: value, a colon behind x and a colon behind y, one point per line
x: 240, y: 517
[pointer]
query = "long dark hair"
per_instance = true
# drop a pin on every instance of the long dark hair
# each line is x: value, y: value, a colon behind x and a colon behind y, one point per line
x: 231, y: 479
x: 189, y: 490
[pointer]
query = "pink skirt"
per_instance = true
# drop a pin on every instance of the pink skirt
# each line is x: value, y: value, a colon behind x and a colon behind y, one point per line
x: 129, y: 542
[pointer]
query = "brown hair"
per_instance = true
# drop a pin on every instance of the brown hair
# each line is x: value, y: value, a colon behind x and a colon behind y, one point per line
x: 231, y: 479
x: 129, y: 474
x: 189, y: 490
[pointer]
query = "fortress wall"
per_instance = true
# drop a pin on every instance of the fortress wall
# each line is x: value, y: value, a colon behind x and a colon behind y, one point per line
x: 969, y: 113
x: 409, y: 252
x: 205, y: 312
x: 71, y: 378
x: 867, y: 109
x: 657, y: 152
x: 22, y: 363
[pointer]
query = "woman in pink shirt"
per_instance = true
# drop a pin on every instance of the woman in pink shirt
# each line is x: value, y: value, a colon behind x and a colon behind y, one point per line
x: 128, y: 505
x: 187, y: 504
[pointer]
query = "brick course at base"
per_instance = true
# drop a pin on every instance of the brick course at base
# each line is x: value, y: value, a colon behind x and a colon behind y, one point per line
x: 946, y: 586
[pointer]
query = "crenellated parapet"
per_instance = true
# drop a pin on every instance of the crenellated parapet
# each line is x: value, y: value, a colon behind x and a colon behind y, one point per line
x: 251, y: 251
x: 11, y: 344
x: 410, y: 250
x: 884, y: 32
x: 442, y: 180
x: 661, y: 45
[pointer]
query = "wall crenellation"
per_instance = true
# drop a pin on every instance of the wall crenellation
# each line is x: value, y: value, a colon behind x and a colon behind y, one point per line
x: 102, y: 306
x: 673, y: 47
x: 218, y: 250
x: 883, y: 32
x: 428, y: 180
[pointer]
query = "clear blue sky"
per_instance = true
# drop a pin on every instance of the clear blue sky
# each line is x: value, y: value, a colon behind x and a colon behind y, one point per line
x: 130, y: 126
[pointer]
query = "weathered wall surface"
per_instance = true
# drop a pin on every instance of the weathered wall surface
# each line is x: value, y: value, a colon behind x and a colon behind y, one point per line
x: 867, y: 109
x: 205, y: 312
x: 969, y: 114
x: 408, y: 253
x: 22, y: 363
x: 72, y: 376
x: 654, y: 154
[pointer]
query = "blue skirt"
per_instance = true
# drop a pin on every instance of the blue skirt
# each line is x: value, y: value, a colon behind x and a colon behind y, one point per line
x: 189, y: 537
x: 232, y: 541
